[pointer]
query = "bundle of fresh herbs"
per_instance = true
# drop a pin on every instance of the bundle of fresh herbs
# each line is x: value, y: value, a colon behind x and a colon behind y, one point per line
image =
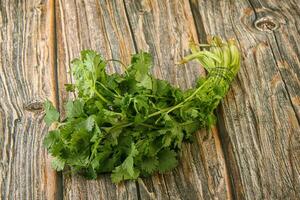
x: 133, y: 124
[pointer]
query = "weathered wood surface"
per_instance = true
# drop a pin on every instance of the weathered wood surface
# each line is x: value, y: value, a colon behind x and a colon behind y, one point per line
x: 27, y: 78
x: 258, y: 130
x: 117, y: 30
x: 259, y: 119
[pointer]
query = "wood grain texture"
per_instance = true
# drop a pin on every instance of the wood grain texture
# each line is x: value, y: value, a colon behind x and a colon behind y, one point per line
x: 258, y: 129
x: 117, y: 30
x: 92, y: 24
x: 164, y: 29
x: 259, y: 118
x: 26, y: 80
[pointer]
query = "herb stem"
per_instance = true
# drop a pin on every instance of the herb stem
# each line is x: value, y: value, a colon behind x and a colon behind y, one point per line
x: 100, y: 96
x: 115, y: 93
x: 123, y: 65
x: 148, y: 125
x: 170, y: 109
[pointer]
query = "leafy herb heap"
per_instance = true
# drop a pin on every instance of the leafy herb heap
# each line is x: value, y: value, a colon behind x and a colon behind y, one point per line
x: 133, y: 124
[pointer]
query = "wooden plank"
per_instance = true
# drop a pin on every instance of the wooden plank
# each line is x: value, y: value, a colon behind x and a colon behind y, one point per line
x: 164, y: 29
x: 103, y: 26
x: 27, y: 78
x: 259, y: 119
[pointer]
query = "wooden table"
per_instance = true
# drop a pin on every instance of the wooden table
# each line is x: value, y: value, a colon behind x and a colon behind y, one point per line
x: 252, y: 153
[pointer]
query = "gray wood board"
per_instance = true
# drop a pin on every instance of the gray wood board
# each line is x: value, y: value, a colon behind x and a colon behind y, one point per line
x: 252, y: 153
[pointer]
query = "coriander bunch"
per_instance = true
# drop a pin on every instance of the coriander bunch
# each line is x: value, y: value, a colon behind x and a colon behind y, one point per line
x: 133, y: 124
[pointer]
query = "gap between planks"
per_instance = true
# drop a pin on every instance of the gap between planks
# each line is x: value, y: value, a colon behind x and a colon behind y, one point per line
x: 54, y: 183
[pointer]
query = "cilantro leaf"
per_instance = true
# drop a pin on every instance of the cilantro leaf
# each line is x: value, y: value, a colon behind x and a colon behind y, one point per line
x: 167, y: 160
x: 149, y: 165
x: 51, y: 113
x: 58, y: 164
x: 51, y: 138
x: 74, y: 108
x: 90, y: 123
x: 126, y: 170
x: 140, y: 66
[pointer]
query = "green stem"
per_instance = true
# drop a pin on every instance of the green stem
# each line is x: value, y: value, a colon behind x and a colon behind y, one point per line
x: 123, y: 65
x: 116, y: 94
x: 149, y: 95
x: 121, y: 126
x: 60, y: 124
x: 100, y: 96
x: 170, y: 109
x: 148, y: 125
x: 187, y: 123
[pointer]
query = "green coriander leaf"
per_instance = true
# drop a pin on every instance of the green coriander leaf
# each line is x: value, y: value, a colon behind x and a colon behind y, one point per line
x: 70, y: 87
x: 74, y: 108
x: 51, y: 113
x: 51, y: 138
x: 80, y: 139
x: 100, y: 158
x: 161, y: 87
x: 149, y: 165
x: 98, y: 135
x: 90, y: 173
x: 58, y: 164
x: 146, y: 82
x: 126, y: 170
x: 190, y: 127
x: 121, y: 174
x: 57, y: 148
x: 90, y: 123
x: 167, y: 160
x: 108, y: 165
x: 141, y: 64
x: 68, y: 128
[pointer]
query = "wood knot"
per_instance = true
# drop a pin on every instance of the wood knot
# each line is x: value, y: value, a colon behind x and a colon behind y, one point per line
x: 267, y: 24
x: 262, y: 20
x: 35, y: 107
